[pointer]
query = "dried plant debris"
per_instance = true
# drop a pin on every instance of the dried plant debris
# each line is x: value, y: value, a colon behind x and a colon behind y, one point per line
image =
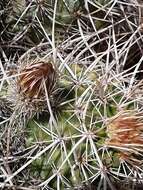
x: 126, y: 135
x: 32, y: 79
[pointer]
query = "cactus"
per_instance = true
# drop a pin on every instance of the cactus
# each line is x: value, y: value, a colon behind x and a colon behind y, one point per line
x: 71, y: 105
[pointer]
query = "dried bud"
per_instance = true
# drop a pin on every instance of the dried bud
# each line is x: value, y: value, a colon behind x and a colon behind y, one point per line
x: 126, y: 134
x: 32, y: 78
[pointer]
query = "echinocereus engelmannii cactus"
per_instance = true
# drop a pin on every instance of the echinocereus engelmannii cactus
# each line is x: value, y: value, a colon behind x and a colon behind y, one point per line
x: 92, y: 128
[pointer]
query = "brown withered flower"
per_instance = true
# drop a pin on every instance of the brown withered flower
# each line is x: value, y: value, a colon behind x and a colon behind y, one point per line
x: 32, y: 78
x: 125, y: 133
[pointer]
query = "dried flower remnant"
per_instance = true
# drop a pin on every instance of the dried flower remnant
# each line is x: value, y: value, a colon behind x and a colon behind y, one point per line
x: 131, y: 158
x: 126, y: 135
x: 32, y: 78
